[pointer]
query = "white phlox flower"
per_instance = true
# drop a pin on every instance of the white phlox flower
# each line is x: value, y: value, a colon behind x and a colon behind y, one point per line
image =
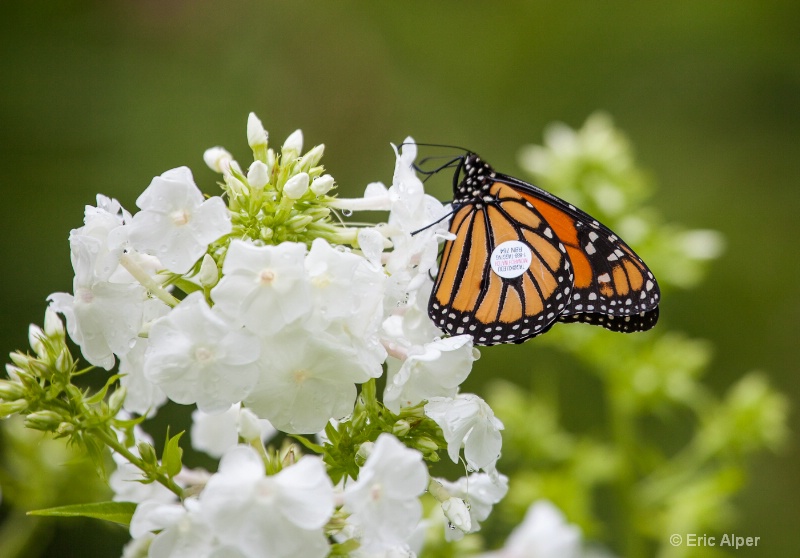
x: 263, y: 287
x: 306, y: 381
x: 175, y: 223
x: 544, y: 533
x: 104, y: 315
x: 197, y: 356
x: 341, y: 283
x: 180, y: 530
x: 412, y: 210
x: 467, y: 421
x: 279, y: 516
x: 215, y: 434
x: 103, y: 223
x: 384, y: 502
x: 435, y: 369
x: 103, y: 318
x: 480, y: 492
x: 347, y: 298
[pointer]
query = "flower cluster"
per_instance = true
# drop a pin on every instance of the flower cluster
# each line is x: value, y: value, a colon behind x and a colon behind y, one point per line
x: 274, y: 320
x: 264, y: 310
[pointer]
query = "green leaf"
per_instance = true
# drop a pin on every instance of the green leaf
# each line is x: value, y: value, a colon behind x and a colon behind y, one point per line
x: 116, y: 512
x: 308, y: 444
x: 171, y: 458
x: 187, y: 286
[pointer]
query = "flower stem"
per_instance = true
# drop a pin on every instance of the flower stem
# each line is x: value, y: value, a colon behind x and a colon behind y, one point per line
x: 146, y: 281
x: 112, y: 442
x: 623, y: 432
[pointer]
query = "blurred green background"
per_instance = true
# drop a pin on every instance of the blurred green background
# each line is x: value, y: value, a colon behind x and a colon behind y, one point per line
x: 102, y: 96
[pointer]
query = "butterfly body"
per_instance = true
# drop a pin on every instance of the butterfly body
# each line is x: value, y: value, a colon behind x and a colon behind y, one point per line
x: 523, y: 259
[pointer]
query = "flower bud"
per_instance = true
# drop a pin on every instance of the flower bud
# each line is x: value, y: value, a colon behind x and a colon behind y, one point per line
x: 249, y: 428
x: 208, y: 276
x: 235, y: 186
x: 401, y: 428
x: 293, y: 143
x: 218, y: 159
x: 13, y: 372
x: 299, y: 222
x: 43, y: 420
x: 257, y: 136
x: 318, y: 213
x: 117, y: 399
x: 35, y: 336
x: 65, y: 429
x: 9, y: 391
x: 310, y: 159
x: 147, y: 453
x: 457, y: 513
x: 296, y: 186
x: 12, y: 407
x: 258, y: 175
x: 321, y: 185
x: 53, y: 326
x: 64, y: 361
x: 20, y: 360
x: 363, y: 453
x: 426, y: 445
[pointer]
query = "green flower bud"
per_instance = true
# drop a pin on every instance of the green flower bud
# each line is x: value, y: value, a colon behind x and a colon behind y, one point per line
x: 401, y: 428
x: 9, y: 390
x: 310, y: 159
x: 426, y: 445
x: 9, y: 408
x: 117, y: 399
x: 147, y: 453
x: 299, y: 222
x: 47, y: 421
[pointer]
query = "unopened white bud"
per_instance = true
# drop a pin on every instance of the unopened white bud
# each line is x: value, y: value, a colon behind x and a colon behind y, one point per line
x: 209, y: 273
x: 218, y: 159
x: 249, y: 427
x: 256, y: 134
x: 296, y: 186
x: 35, y: 336
x: 294, y: 143
x: 53, y: 326
x: 258, y: 175
x: 457, y: 513
x: 321, y: 185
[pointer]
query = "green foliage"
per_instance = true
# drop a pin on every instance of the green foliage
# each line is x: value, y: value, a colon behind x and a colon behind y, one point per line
x: 116, y: 512
x: 669, y: 454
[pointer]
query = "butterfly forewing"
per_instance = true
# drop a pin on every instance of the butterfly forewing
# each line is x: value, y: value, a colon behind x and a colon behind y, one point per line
x: 469, y: 297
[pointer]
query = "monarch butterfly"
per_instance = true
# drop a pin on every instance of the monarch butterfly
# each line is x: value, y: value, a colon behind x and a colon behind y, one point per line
x: 523, y: 259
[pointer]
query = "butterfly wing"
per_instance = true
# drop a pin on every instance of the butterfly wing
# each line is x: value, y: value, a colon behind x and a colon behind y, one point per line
x: 470, y: 297
x: 612, y: 286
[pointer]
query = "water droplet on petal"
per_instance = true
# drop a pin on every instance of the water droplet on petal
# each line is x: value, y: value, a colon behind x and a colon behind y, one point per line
x: 347, y: 212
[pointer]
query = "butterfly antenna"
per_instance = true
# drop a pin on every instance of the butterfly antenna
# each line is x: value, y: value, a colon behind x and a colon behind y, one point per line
x: 439, y: 220
x: 428, y: 173
x: 444, y: 145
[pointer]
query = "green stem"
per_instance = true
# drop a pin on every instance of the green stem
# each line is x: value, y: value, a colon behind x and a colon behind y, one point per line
x: 111, y: 441
x: 146, y: 281
x: 624, y: 435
